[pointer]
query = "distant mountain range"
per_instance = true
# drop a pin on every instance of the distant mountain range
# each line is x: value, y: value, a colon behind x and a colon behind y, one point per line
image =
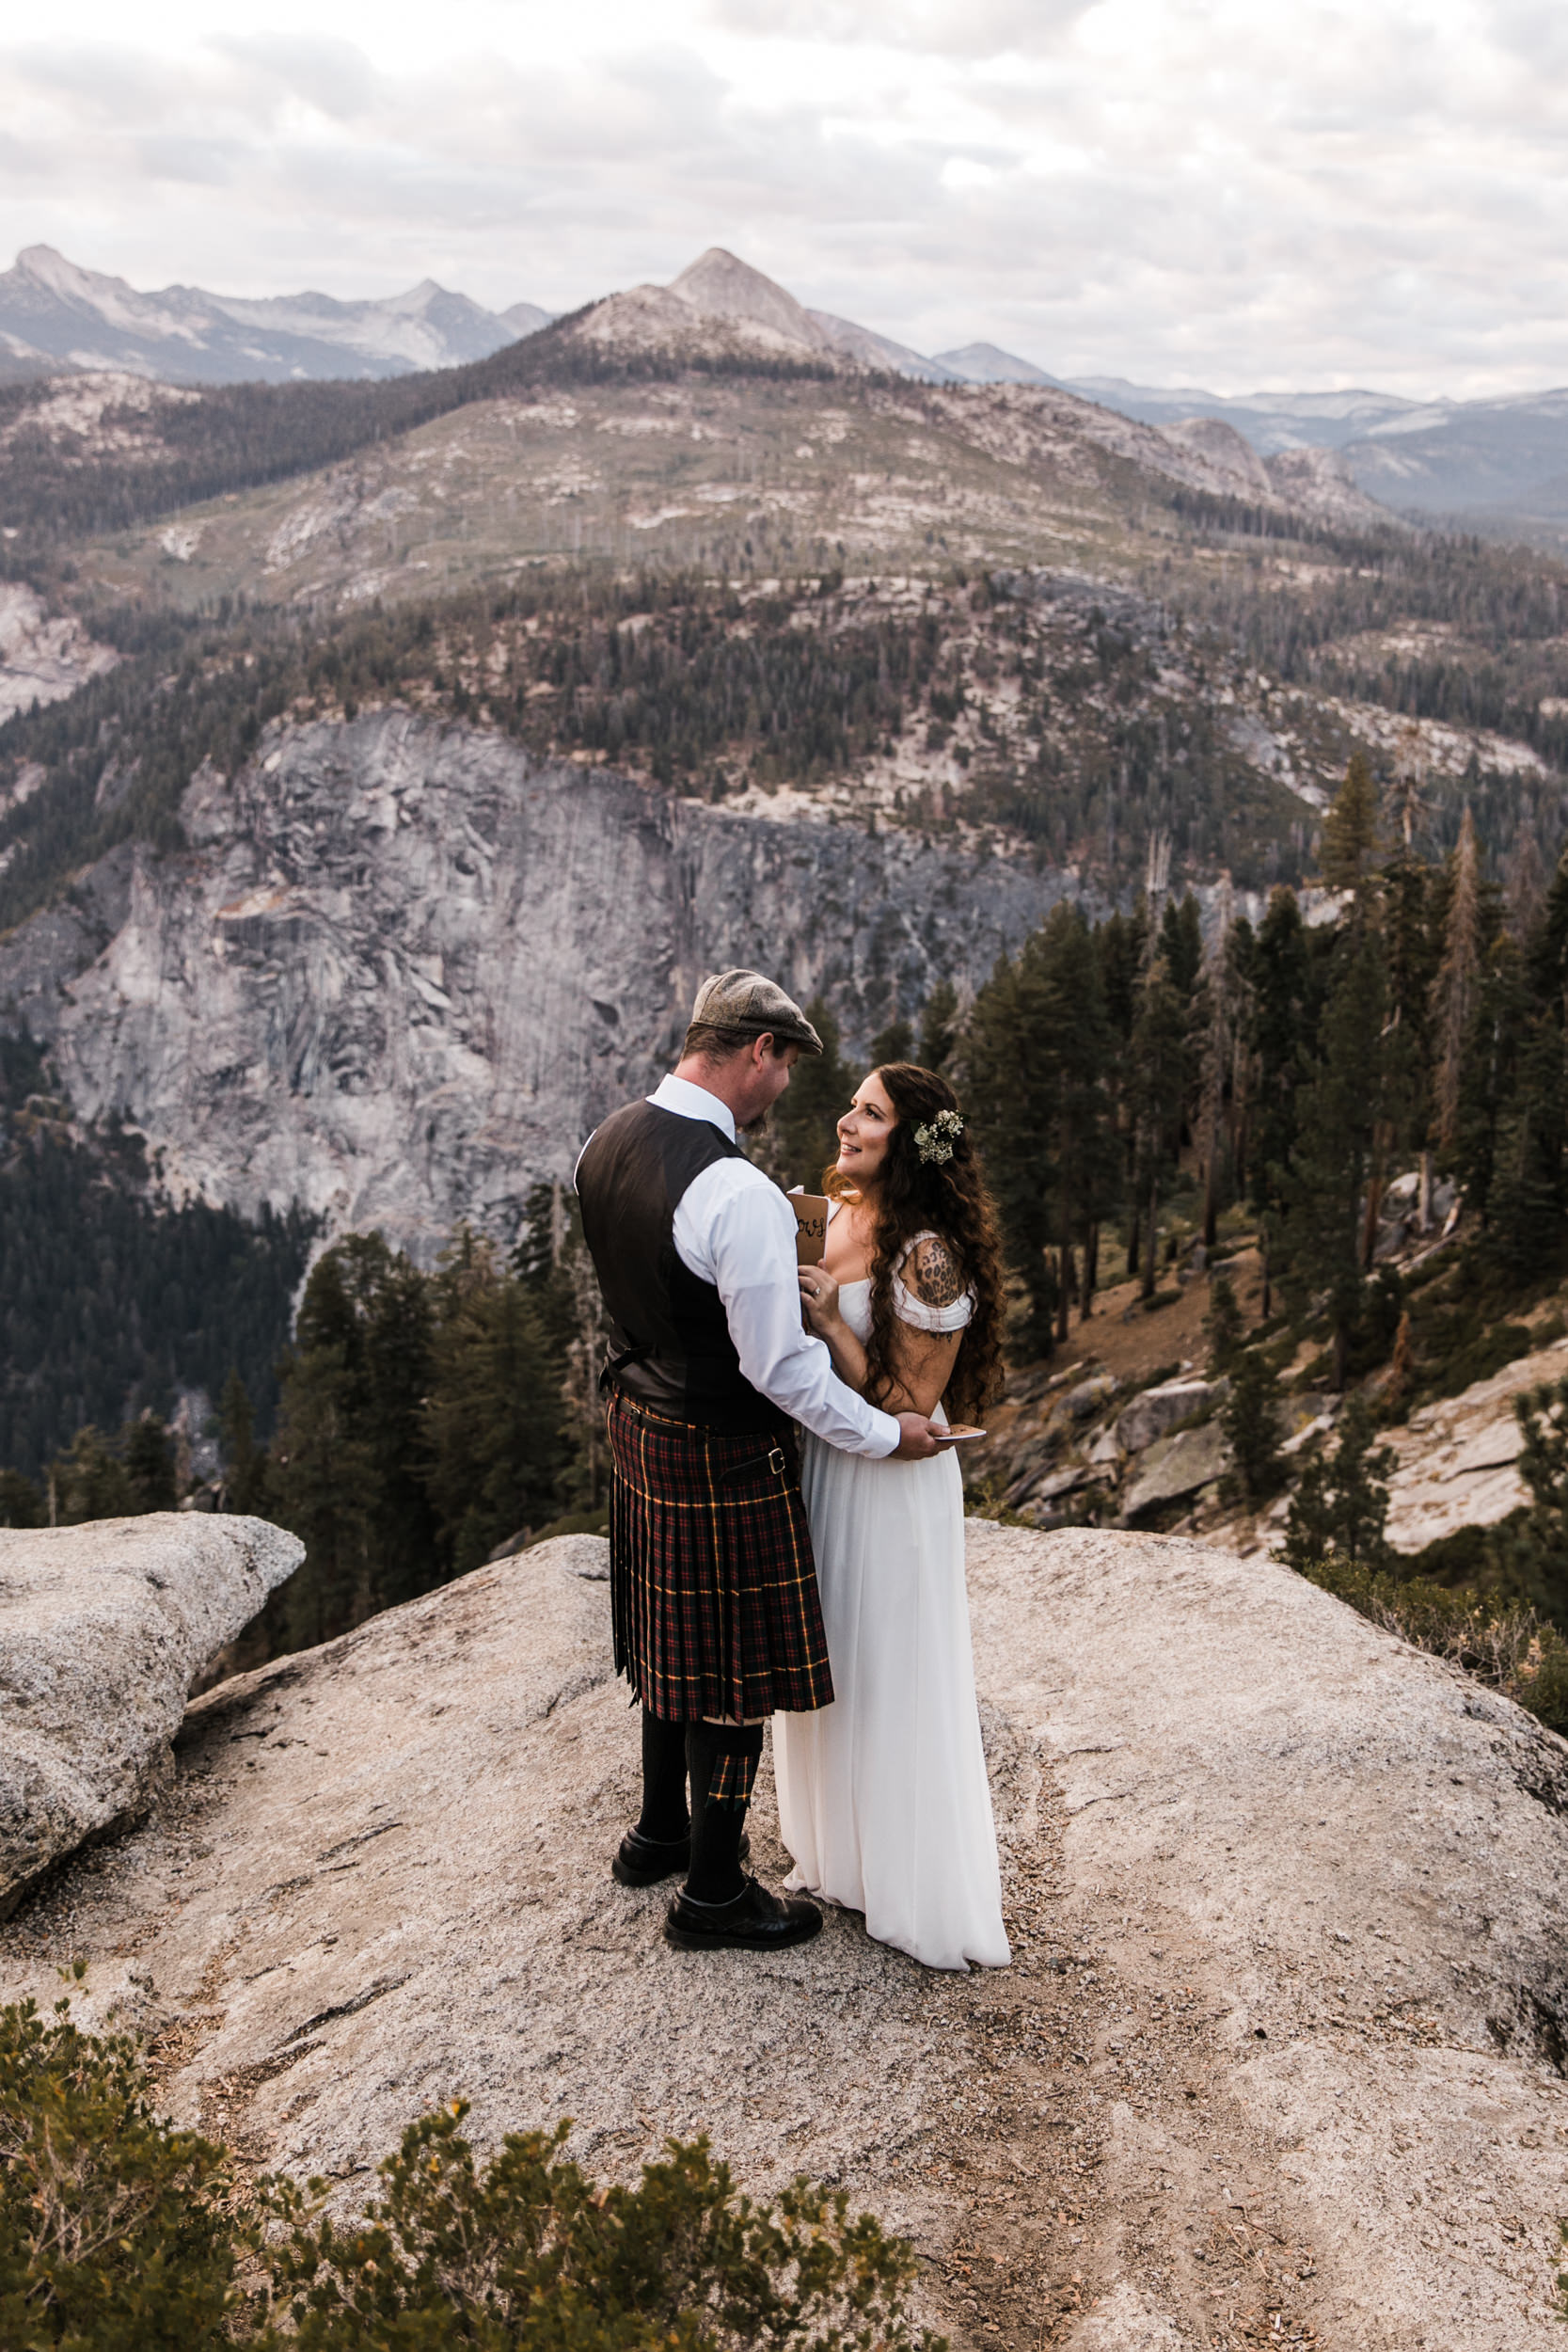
x: 1500, y: 463
x: 52, y: 315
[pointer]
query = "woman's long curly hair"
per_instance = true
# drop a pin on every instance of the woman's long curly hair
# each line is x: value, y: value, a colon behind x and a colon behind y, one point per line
x: 945, y: 1197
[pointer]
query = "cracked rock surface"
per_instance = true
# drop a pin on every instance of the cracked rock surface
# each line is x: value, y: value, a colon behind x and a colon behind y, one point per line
x: 1277, y: 2061
x: 102, y: 1630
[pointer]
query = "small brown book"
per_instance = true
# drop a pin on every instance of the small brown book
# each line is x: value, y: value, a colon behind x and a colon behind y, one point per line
x: 811, y: 1225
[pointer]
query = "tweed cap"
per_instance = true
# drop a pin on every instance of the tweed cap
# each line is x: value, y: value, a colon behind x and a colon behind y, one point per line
x: 749, y: 1002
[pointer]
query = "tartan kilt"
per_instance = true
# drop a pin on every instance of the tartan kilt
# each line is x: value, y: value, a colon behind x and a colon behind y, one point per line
x: 713, y: 1587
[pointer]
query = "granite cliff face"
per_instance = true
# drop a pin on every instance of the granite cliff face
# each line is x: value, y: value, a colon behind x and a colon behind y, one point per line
x: 403, y: 968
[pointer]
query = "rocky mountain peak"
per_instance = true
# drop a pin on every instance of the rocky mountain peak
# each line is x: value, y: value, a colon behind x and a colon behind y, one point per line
x: 1226, y: 447
x: 726, y: 286
x: 47, y: 267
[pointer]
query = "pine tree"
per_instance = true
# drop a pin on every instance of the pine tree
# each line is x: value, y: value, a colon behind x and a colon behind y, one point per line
x: 1340, y: 1507
x: 21, y: 1503
x: 1525, y: 878
x: 1241, y: 960
x: 1349, y: 830
x: 91, y: 1483
x: 149, y: 1457
x: 1006, y: 1079
x: 1064, y: 1002
x: 1411, y: 946
x: 1339, y: 1109
x: 1504, y: 1012
x: 804, y: 1119
x: 1181, y: 943
x: 1214, y: 1019
x: 244, y: 1485
x: 493, y: 1422
x: 1119, y: 942
x: 1546, y: 948
x: 398, y: 1368
x: 1528, y: 1194
x: 1455, y: 990
x: 551, y: 1261
x: 1281, y: 1035
x: 1250, y: 1417
x: 938, y: 1026
x: 1157, y: 1086
x: 893, y: 1043
x: 322, y: 1487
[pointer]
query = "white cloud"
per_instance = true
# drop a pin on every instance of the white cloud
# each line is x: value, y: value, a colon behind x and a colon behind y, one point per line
x: 1193, y: 190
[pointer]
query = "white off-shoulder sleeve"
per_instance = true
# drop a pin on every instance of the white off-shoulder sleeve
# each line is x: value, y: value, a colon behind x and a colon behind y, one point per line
x: 913, y: 1310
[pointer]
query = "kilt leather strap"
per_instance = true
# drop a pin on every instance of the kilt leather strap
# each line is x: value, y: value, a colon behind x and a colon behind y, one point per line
x: 774, y: 1460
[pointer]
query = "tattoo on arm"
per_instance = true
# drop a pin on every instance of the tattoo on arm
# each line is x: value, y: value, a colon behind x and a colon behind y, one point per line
x: 935, y: 1275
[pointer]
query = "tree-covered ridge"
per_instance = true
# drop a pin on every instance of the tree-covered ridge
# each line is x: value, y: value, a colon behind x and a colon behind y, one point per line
x: 1436, y: 626
x: 1081, y: 718
x: 111, y: 1298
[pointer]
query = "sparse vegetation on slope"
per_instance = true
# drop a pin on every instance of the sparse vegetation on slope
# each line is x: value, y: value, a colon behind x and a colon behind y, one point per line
x: 60, y: 478
x: 118, y: 2229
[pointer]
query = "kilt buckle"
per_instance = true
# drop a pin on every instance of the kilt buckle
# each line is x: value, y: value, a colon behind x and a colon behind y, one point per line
x: 776, y: 1461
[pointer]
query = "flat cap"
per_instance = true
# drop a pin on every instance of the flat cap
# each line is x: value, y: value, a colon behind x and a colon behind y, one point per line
x: 755, y: 1005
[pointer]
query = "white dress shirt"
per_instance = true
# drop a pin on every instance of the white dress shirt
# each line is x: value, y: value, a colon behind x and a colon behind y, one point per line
x: 736, y: 1229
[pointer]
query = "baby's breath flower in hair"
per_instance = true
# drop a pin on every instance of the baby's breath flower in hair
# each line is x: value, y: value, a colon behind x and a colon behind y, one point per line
x: 936, y: 1141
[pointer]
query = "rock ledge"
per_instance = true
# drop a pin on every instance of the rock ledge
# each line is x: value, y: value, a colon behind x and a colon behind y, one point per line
x: 102, y: 1629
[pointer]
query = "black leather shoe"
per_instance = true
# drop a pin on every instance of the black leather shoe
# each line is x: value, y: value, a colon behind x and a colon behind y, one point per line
x: 755, y: 1921
x: 644, y: 1860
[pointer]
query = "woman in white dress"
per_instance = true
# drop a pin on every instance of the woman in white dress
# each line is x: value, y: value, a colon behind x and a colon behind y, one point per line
x: 884, y: 1800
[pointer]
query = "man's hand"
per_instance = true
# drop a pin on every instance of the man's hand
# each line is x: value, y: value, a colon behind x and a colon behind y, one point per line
x: 915, y: 1441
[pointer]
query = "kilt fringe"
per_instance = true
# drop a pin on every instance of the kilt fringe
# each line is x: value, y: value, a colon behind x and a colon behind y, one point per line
x: 713, y: 1587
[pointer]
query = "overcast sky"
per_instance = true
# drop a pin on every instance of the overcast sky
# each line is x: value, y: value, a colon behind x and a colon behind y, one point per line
x: 1212, y: 192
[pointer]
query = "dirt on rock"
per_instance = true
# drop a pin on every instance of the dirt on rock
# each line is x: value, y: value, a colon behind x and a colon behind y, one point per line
x: 1277, y: 2061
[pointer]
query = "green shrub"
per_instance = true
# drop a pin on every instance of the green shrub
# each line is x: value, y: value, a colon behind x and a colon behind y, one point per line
x: 119, y: 2233
x: 527, y: 2250
x: 113, y: 2233
x: 1467, y: 1557
x: 1501, y: 1641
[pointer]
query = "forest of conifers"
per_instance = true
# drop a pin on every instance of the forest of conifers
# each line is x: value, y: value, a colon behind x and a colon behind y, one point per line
x: 1132, y: 1082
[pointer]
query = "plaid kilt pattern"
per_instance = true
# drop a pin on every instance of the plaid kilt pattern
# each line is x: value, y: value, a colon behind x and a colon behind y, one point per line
x: 713, y: 1588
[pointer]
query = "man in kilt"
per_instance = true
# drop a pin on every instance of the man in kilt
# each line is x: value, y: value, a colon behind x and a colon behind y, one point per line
x: 713, y: 1587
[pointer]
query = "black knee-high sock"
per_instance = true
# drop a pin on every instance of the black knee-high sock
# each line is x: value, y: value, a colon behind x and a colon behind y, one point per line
x: 723, y: 1764
x: 664, y: 1818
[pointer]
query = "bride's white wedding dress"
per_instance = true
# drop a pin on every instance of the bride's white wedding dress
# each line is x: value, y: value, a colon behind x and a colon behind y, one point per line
x: 883, y: 1799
